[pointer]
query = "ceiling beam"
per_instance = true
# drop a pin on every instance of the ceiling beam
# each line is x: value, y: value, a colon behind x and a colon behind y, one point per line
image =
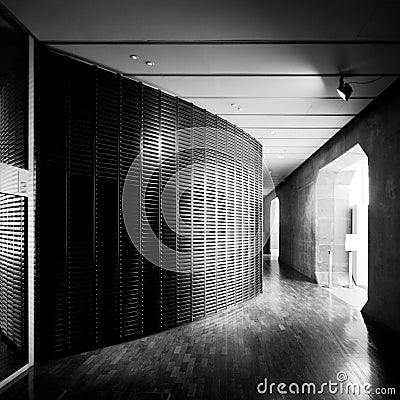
x: 66, y: 42
x: 295, y: 147
x: 289, y: 127
x: 275, y: 75
x: 239, y: 114
x: 274, y: 97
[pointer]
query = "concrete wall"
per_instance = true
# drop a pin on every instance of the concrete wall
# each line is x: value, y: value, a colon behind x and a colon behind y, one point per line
x: 377, y: 130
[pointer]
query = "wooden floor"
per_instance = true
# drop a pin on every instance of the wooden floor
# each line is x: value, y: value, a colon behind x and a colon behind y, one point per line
x: 10, y: 359
x: 295, y: 332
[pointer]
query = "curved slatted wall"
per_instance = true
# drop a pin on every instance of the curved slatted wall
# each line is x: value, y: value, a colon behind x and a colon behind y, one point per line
x: 51, y: 273
x: 195, y: 191
x: 197, y: 218
x: 168, y: 288
x: 106, y: 208
x: 130, y: 272
x: 151, y: 273
x: 13, y: 105
x: 13, y: 214
x: 211, y: 214
x: 79, y: 177
x: 12, y: 269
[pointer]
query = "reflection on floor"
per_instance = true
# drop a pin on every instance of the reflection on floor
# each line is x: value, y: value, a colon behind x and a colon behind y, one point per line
x: 355, y: 296
x: 295, y: 332
x: 10, y: 360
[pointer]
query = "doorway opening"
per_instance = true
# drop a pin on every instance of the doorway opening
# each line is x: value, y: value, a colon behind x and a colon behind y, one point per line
x: 342, y: 197
x: 274, y: 228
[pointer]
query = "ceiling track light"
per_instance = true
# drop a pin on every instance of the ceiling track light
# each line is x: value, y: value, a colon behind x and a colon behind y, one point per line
x: 344, y: 89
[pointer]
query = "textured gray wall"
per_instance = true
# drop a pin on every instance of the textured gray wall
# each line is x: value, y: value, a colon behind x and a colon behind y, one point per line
x: 377, y: 130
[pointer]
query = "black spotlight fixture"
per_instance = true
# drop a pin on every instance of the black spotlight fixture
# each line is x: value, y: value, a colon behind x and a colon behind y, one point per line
x: 344, y: 89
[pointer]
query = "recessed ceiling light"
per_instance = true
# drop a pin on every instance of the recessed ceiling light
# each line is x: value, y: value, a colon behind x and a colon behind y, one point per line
x: 240, y: 108
x: 150, y: 63
x: 267, y: 150
x: 273, y: 133
x: 281, y: 156
x: 234, y: 105
x: 133, y: 56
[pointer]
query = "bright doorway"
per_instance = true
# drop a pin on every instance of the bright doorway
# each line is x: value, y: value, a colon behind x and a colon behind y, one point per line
x: 342, y: 194
x: 274, y: 228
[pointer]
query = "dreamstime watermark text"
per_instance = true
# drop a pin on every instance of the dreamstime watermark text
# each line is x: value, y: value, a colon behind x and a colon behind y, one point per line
x: 340, y: 386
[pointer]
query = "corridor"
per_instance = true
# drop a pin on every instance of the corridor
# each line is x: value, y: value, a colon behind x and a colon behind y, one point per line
x: 295, y: 332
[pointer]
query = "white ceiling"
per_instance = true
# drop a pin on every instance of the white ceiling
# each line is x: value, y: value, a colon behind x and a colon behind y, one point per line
x: 277, y: 60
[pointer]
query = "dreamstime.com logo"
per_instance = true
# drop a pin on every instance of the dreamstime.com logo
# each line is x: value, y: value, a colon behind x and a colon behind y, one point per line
x: 341, y: 386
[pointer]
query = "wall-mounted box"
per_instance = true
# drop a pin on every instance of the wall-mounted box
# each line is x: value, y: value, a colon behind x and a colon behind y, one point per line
x: 14, y: 180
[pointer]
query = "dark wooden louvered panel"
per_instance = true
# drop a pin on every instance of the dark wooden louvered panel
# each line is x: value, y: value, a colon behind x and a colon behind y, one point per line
x: 96, y: 125
x: 221, y: 214
x: 242, y: 154
x: 252, y: 216
x: 239, y: 256
x: 184, y: 261
x: 259, y: 197
x: 151, y: 209
x: 247, y: 225
x: 80, y: 196
x: 107, y: 206
x: 230, y: 214
x: 198, y: 217
x: 129, y: 176
x: 210, y: 214
x: 168, y: 213
x: 51, y: 125
x: 13, y: 269
x: 13, y: 117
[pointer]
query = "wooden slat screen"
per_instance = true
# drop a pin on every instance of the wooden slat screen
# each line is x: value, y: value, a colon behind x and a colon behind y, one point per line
x: 13, y: 269
x: 196, y: 246
x: 13, y: 209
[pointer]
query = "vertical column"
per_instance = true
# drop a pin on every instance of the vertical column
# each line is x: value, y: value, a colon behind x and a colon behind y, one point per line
x: 151, y: 210
x: 238, y: 218
x: 168, y: 211
x: 198, y: 217
x: 221, y: 215
x: 130, y: 293
x: 184, y: 205
x: 245, y: 215
x: 210, y: 213
x: 31, y: 204
x: 80, y: 195
x: 252, y: 239
x: 106, y: 206
x: 230, y: 213
x: 51, y: 124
